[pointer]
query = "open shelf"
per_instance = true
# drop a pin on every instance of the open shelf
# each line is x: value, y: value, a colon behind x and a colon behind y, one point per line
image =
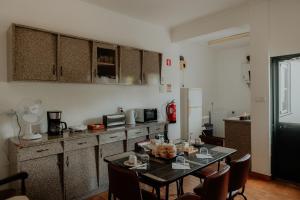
x: 107, y: 64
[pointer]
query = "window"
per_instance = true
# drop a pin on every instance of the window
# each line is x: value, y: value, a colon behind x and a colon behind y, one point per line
x: 284, y: 88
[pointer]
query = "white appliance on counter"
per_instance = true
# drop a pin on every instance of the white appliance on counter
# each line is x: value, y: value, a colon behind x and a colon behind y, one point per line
x: 130, y: 117
x: 190, y: 112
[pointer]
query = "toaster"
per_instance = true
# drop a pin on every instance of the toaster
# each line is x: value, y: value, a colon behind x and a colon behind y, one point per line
x: 114, y: 120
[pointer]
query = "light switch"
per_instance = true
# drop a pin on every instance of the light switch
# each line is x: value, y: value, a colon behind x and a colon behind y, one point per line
x: 260, y: 99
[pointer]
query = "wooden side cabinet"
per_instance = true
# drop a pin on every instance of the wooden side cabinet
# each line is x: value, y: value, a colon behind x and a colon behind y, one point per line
x: 151, y: 68
x: 31, y: 54
x: 238, y: 136
x: 75, y: 60
x: 130, y: 66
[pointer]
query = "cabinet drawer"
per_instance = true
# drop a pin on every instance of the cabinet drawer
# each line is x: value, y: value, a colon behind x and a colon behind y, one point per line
x: 131, y: 142
x: 157, y: 129
x: 39, y: 151
x: 138, y: 132
x: 81, y: 143
x: 112, y: 137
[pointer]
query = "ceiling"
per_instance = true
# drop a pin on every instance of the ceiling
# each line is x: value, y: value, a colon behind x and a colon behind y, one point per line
x: 167, y: 13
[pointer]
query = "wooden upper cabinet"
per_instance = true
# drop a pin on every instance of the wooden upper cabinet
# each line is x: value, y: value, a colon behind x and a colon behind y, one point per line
x: 75, y: 60
x: 151, y: 68
x: 105, y: 63
x: 40, y: 55
x: 130, y: 66
x: 33, y: 55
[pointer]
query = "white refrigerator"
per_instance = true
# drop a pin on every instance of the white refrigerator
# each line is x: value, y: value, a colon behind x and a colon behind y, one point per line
x: 190, y: 112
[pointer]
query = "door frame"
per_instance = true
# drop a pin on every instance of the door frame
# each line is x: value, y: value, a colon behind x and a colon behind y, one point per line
x: 274, y: 79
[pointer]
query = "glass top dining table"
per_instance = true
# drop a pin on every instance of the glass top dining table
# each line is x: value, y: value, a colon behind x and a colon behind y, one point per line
x: 159, y: 172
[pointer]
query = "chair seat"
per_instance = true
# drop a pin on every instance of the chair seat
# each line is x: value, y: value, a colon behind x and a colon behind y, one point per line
x: 209, y: 170
x: 148, y: 195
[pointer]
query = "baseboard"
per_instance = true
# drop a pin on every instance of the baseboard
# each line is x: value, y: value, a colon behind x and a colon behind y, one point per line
x: 260, y: 176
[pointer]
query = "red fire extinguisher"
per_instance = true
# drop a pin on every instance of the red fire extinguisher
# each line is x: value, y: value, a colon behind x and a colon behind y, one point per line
x: 171, y: 112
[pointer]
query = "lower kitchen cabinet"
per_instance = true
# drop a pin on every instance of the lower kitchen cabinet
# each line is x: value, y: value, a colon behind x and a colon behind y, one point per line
x: 45, y: 178
x: 107, y: 150
x: 80, y: 172
x: 156, y: 130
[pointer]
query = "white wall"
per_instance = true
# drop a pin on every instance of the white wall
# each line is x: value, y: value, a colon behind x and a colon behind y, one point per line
x: 217, y: 70
x: 81, y: 102
x: 200, y: 72
x: 233, y: 17
x: 232, y: 93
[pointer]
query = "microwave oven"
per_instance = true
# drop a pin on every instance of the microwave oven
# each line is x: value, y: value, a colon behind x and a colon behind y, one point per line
x: 146, y: 115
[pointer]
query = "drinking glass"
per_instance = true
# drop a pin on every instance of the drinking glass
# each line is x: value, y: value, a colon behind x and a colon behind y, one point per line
x: 204, y: 151
x: 145, y: 158
x: 180, y: 160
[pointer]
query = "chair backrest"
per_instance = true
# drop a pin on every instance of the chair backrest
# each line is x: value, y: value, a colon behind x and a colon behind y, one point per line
x: 123, y: 183
x: 218, y: 141
x: 216, y: 186
x: 239, y: 173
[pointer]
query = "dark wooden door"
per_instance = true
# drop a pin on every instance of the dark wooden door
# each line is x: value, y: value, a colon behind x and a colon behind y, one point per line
x: 130, y: 66
x: 75, y: 61
x: 151, y: 69
x: 35, y: 55
x: 286, y: 117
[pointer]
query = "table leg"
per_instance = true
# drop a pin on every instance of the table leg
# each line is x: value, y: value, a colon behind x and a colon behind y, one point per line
x: 181, y: 186
x: 167, y: 192
x: 157, y: 189
x: 178, y: 188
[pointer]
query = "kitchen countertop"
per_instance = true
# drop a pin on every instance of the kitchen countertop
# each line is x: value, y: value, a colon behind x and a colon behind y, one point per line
x: 71, y: 136
x: 236, y: 119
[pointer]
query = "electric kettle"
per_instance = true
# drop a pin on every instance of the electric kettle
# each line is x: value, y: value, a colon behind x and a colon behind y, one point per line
x: 130, y: 117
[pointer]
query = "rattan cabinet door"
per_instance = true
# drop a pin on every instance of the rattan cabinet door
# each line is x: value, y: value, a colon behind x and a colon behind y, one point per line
x: 130, y: 66
x: 80, y: 173
x: 151, y: 67
x: 107, y: 150
x: 35, y: 55
x: 75, y: 62
x: 45, y: 179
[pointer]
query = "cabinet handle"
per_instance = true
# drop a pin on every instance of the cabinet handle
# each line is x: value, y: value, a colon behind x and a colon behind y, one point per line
x: 42, y: 150
x: 81, y: 143
x: 137, y: 133
x: 61, y: 71
x: 101, y: 153
x: 111, y: 137
x: 67, y: 161
x: 53, y: 69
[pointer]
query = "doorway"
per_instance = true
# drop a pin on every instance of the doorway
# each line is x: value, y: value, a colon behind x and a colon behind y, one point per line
x: 285, y: 74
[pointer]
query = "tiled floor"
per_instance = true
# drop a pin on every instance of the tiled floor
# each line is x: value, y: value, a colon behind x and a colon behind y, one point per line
x: 255, y: 190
